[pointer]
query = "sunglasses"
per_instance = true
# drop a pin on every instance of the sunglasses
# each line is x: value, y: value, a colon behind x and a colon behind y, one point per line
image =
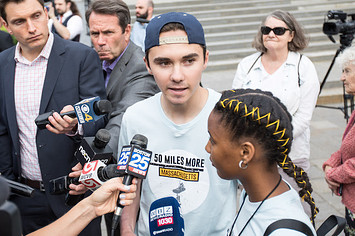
x: 277, y: 30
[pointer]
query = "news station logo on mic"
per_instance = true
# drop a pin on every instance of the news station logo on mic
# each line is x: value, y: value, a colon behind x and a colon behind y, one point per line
x: 84, y: 110
x: 134, y: 158
x: 89, y: 175
x: 165, y: 217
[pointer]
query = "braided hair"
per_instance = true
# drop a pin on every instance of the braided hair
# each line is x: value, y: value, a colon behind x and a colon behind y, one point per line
x: 261, y: 116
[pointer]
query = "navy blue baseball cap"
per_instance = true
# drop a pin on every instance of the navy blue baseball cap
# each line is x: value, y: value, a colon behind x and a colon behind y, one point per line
x: 193, y: 29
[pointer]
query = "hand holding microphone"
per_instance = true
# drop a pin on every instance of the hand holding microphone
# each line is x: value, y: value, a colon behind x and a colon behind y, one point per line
x: 134, y: 160
x: 90, y: 149
x: 60, y: 124
x: 87, y: 110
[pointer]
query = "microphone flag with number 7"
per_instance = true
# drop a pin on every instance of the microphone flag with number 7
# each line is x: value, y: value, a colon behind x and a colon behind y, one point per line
x: 89, y: 175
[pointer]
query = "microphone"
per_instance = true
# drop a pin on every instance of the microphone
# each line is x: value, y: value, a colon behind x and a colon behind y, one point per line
x: 134, y: 162
x: 90, y: 175
x: 10, y: 217
x: 93, y: 175
x: 87, y: 110
x: 20, y: 189
x: 91, y: 148
x: 96, y: 172
x: 61, y: 184
x: 165, y: 218
x: 95, y: 148
x: 4, y: 190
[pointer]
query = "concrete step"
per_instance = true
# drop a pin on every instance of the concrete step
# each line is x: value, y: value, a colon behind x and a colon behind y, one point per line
x: 229, y: 59
x: 196, y: 6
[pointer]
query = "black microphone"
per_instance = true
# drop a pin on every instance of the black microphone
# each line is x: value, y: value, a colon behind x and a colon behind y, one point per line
x: 61, y: 184
x: 95, y: 148
x: 20, y: 189
x: 4, y: 190
x: 134, y: 162
x: 87, y: 110
x: 165, y: 218
x: 10, y: 218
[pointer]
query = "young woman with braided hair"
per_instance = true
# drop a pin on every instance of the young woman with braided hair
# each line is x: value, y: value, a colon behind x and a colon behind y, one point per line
x: 280, y: 68
x: 250, y: 132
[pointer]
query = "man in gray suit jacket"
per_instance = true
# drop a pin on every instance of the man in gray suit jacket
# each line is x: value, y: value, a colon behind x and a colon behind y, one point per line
x: 126, y: 77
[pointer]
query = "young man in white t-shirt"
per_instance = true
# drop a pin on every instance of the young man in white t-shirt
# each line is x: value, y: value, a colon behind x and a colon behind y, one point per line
x: 175, y: 123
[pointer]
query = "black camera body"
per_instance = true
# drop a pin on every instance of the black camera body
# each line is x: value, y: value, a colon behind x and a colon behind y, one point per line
x: 346, y: 29
x: 341, y: 26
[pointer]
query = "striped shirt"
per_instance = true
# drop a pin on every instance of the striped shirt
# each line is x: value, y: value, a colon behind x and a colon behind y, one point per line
x: 29, y: 80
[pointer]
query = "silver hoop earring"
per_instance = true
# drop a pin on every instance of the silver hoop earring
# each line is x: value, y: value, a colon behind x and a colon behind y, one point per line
x: 240, y: 165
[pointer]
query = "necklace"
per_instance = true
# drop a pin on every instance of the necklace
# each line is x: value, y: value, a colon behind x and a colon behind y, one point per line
x: 231, y: 230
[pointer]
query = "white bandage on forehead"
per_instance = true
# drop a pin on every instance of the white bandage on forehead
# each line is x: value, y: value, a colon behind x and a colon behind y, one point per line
x: 173, y: 39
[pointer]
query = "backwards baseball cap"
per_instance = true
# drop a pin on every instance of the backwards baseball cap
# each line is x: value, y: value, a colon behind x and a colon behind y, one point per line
x: 193, y: 29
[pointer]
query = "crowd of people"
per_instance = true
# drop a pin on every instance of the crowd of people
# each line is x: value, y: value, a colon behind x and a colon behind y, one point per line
x: 205, y: 144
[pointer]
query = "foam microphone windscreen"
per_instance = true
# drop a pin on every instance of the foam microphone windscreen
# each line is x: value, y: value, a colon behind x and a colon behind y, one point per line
x: 102, y: 107
x: 165, y: 218
x: 4, y: 190
x: 102, y: 137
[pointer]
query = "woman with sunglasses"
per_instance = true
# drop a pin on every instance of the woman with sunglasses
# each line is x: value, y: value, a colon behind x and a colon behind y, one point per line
x: 278, y: 67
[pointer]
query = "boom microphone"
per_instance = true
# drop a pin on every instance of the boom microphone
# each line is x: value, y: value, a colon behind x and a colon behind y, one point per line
x: 165, y: 218
x: 87, y: 110
x: 134, y: 162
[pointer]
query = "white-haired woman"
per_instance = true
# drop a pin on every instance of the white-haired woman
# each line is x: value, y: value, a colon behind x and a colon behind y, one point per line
x: 340, y: 167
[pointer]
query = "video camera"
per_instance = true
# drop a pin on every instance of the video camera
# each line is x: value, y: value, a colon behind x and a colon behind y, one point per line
x: 340, y: 26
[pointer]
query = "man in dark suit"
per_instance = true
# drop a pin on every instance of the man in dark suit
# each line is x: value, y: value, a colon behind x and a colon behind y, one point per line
x: 127, y: 79
x: 42, y: 73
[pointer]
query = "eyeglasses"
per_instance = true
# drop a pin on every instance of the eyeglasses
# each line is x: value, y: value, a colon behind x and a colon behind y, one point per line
x: 277, y: 30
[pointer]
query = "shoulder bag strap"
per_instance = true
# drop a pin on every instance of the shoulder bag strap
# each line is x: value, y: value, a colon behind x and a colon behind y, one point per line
x: 330, y: 223
x: 255, y: 62
x: 298, y: 71
x: 289, y: 224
